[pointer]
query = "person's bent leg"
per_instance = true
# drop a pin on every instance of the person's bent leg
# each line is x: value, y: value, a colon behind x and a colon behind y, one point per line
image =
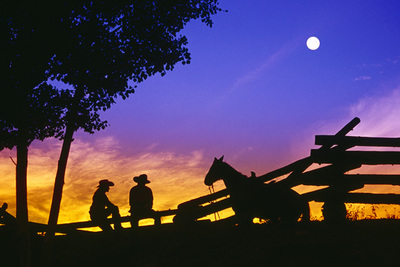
x: 134, y: 221
x: 157, y: 218
x: 101, y: 222
x: 116, y: 217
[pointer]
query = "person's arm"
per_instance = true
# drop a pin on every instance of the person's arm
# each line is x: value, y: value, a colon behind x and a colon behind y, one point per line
x: 130, y: 197
x: 151, y: 199
x: 108, y: 203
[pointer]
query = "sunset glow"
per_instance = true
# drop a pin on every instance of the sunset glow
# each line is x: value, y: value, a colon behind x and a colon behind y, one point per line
x: 253, y: 92
x: 175, y: 178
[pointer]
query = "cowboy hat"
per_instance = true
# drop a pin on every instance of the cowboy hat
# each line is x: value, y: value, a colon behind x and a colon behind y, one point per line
x: 141, y: 179
x: 105, y: 182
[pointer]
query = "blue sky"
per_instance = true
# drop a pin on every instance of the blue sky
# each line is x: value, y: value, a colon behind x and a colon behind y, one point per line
x: 253, y: 82
x: 253, y: 92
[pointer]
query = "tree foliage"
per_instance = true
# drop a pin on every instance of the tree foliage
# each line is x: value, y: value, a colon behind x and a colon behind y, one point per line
x: 94, y: 46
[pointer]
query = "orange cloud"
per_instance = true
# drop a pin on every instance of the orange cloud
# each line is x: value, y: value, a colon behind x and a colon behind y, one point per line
x: 175, y: 178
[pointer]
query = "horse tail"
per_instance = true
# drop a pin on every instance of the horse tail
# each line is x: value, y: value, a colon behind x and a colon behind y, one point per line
x: 305, y: 212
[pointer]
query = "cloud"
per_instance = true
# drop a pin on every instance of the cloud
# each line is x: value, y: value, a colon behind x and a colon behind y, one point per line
x: 379, y: 115
x: 259, y: 70
x: 174, y: 177
x: 363, y: 78
x: 394, y: 60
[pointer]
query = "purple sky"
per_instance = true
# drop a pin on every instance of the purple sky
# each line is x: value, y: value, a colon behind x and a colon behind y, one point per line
x: 253, y: 92
x: 253, y: 85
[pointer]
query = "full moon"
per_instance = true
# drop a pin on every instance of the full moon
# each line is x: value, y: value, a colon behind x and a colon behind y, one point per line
x: 313, y: 43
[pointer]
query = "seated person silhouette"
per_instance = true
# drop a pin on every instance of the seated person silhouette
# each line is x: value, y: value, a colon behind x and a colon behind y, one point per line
x: 102, y: 208
x: 141, y: 202
x: 5, y: 217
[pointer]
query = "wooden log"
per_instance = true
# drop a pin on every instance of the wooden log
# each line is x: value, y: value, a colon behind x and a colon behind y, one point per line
x: 292, y: 179
x: 382, y: 179
x: 361, y: 157
x: 333, y: 169
x: 369, y: 198
x: 357, y: 141
x: 285, y: 170
x: 347, y: 128
x: 68, y: 227
x: 301, y: 165
x: 330, y: 193
x: 37, y: 227
x: 362, y: 198
x: 204, y: 199
x: 328, y: 179
x: 326, y: 175
x: 216, y: 207
x: 196, y: 212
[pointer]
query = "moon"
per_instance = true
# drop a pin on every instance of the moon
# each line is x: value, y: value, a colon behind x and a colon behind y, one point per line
x: 313, y: 43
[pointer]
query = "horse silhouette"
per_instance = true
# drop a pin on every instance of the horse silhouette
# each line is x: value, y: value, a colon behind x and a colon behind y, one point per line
x: 253, y: 199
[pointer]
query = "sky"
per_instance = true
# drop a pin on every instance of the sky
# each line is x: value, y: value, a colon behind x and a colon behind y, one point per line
x: 253, y: 92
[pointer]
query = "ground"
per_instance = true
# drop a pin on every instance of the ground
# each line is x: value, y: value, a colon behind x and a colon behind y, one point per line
x: 354, y: 243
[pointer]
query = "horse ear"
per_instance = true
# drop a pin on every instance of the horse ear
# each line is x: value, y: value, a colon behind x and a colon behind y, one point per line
x: 222, y: 158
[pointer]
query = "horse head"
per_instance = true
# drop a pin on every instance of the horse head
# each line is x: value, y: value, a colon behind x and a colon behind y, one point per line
x: 214, y: 173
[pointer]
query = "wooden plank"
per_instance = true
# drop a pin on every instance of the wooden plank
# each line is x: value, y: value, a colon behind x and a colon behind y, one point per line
x: 68, y: 227
x: 369, y: 198
x: 328, y: 193
x: 195, y: 212
x: 366, y: 198
x: 362, y: 157
x: 329, y: 179
x: 292, y: 179
x: 204, y: 199
x: 330, y: 170
x: 347, y: 128
x: 216, y: 206
x: 387, y: 179
x: 323, y: 195
x: 322, y: 176
x: 285, y: 170
x: 357, y: 141
x: 300, y: 166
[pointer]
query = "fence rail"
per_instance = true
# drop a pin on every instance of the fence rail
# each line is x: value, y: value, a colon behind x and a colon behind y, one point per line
x: 333, y: 152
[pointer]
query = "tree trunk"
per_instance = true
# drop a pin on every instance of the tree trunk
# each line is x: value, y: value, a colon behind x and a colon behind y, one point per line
x: 57, y: 196
x: 21, y: 183
x: 59, y: 182
x: 22, y: 204
x: 62, y: 164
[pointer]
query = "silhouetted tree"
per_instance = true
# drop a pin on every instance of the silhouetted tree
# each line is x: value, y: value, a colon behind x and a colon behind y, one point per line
x: 35, y: 115
x: 113, y: 43
x: 95, y: 47
x: 30, y: 108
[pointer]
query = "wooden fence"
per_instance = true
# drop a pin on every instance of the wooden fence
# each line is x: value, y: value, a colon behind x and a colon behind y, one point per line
x: 334, y: 153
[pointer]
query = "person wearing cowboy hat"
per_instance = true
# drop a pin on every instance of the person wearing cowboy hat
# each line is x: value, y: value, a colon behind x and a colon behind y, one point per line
x: 102, y: 208
x: 141, y: 202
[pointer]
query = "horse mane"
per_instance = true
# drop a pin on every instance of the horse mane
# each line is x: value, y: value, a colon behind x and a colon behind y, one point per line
x: 233, y: 169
